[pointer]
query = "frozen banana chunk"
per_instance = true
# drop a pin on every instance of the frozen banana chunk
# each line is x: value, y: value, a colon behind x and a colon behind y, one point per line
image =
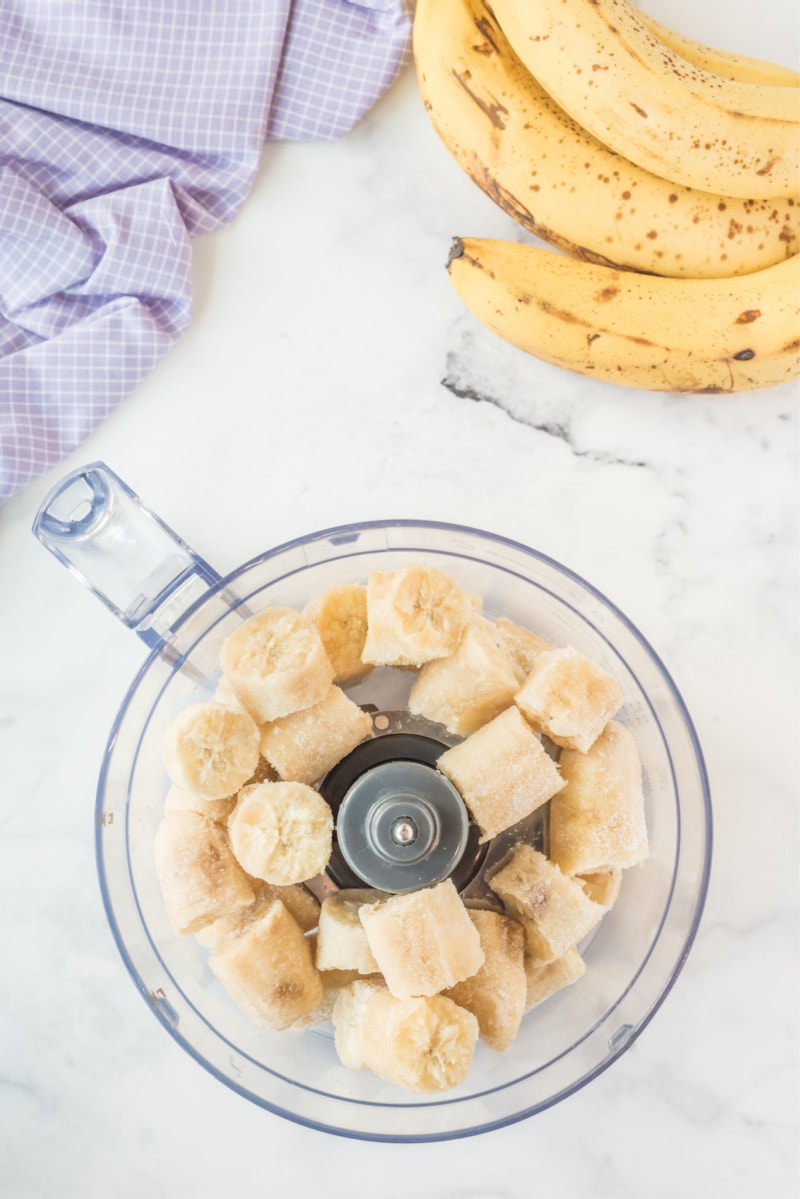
x: 340, y: 614
x: 341, y: 941
x: 225, y: 694
x: 303, y: 746
x: 597, y: 822
x: 469, y: 687
x: 424, y: 1044
x: 569, y: 698
x: 212, y: 809
x: 422, y: 941
x: 210, y: 750
x: 268, y: 971
x: 281, y: 832
x: 414, y: 614
x: 501, y: 772
x: 542, y: 981
x: 602, y: 886
x: 523, y: 645
x: 496, y: 993
x: 199, y: 876
x: 333, y: 983
x: 349, y: 1013
x: 276, y: 663
x: 297, y: 900
x: 552, y: 908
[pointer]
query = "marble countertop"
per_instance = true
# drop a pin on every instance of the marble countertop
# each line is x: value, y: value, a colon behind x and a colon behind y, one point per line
x: 330, y: 375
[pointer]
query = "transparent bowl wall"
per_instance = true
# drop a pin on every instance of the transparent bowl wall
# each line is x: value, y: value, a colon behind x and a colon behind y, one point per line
x: 632, y: 958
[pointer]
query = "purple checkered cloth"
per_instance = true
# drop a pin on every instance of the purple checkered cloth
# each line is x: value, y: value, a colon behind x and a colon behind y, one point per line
x: 126, y: 129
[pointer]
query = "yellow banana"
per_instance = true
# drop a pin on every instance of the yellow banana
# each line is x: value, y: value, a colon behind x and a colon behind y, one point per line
x: 560, y: 182
x: 602, y: 64
x: 722, y: 62
x: 690, y: 335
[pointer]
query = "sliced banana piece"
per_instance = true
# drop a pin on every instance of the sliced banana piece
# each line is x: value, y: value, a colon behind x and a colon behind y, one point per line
x: 523, y: 644
x: 213, y: 809
x: 542, y: 981
x: 297, y: 900
x: 340, y: 615
x: 305, y: 745
x: 553, y: 909
x: 470, y: 686
x: 268, y: 971
x: 597, y: 822
x: 341, y: 940
x: 349, y: 1012
x: 422, y: 941
x: 569, y: 697
x: 414, y: 615
x: 502, y: 772
x: 496, y: 994
x: 210, y: 750
x: 199, y: 876
x: 276, y: 663
x: 602, y: 886
x: 423, y: 1044
x: 281, y: 832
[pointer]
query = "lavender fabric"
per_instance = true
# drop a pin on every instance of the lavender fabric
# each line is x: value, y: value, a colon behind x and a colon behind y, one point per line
x: 127, y: 129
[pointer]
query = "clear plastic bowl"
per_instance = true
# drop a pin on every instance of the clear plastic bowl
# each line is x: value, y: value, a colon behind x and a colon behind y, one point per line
x: 632, y: 958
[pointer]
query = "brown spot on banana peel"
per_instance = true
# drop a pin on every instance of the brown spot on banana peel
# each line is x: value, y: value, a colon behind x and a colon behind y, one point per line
x: 486, y: 30
x: 748, y: 316
x: 492, y: 108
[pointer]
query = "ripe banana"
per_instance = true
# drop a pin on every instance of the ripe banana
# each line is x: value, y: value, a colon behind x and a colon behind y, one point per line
x: 200, y: 879
x: 603, y: 65
x: 210, y: 750
x: 722, y: 62
x: 569, y: 698
x: 693, y: 335
x: 422, y: 1044
x: 561, y: 183
x: 414, y: 614
x: 305, y: 745
x: 341, y: 940
x: 496, y: 994
x: 340, y: 614
x: 281, y: 832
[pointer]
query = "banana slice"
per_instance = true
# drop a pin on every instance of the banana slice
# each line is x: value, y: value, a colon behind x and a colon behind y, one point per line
x: 349, y: 1012
x: 276, y: 663
x: 422, y: 941
x: 470, y: 686
x: 210, y: 750
x: 213, y: 809
x: 297, y: 900
x: 341, y: 940
x: 597, y: 822
x: 424, y: 1044
x: 552, y: 908
x: 569, y: 697
x: 542, y: 981
x: 199, y: 876
x: 602, y: 886
x: 281, y: 832
x: 502, y: 772
x: 496, y: 994
x: 414, y: 614
x: 340, y: 615
x: 303, y: 746
x: 523, y: 645
x: 268, y: 971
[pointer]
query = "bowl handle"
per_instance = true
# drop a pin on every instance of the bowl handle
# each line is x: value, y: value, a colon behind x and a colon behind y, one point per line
x: 135, y: 564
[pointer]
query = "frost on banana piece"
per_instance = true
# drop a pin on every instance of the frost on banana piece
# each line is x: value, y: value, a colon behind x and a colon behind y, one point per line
x: 552, y: 908
x: 597, y: 823
x: 210, y: 750
x: 502, y: 772
x: 340, y: 615
x: 349, y: 1011
x: 305, y: 745
x: 213, y: 809
x: 523, y: 645
x: 199, y: 876
x: 542, y: 981
x: 496, y: 993
x: 281, y: 832
x: 569, y: 698
x: 414, y: 615
x: 341, y: 940
x: 602, y: 886
x: 297, y: 900
x: 469, y: 687
x: 424, y: 1044
x: 423, y: 941
x: 276, y: 663
x: 268, y: 971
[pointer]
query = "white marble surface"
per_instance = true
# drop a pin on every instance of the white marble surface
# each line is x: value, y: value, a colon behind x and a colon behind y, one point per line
x: 329, y: 375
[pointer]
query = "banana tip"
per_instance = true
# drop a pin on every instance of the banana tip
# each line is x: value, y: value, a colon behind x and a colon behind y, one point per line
x: 456, y: 250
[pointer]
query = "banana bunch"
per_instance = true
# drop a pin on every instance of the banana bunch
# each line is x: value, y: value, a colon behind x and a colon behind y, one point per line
x: 667, y: 172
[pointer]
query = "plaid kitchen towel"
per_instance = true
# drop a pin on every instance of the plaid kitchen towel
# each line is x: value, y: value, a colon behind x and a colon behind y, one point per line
x: 126, y: 129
